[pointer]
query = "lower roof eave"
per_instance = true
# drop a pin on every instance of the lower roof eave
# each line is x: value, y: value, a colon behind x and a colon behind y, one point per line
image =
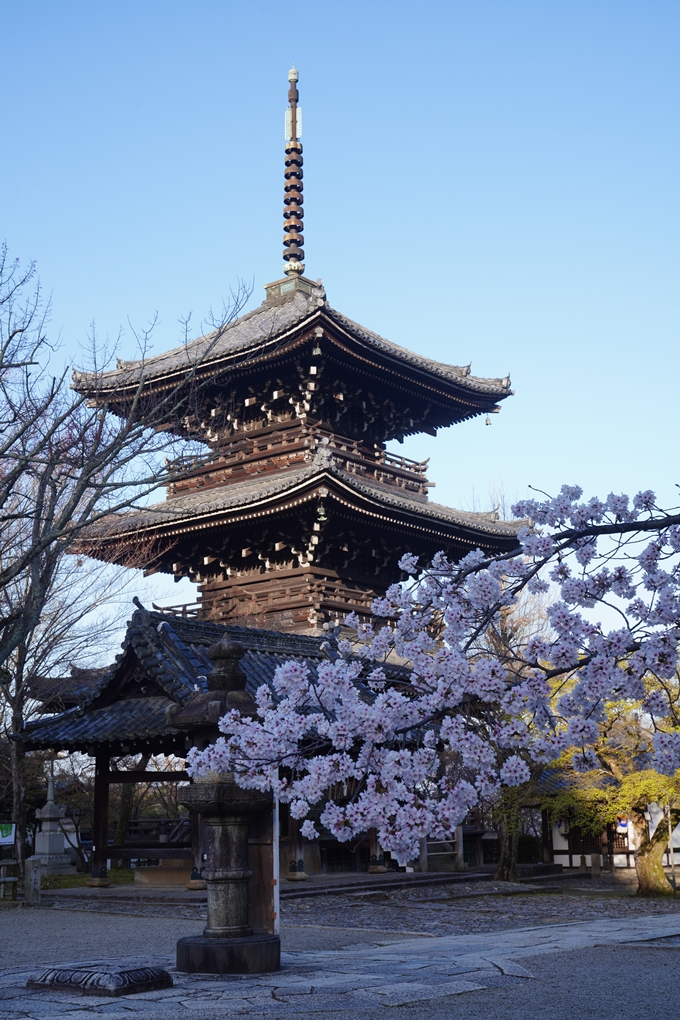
x: 391, y: 510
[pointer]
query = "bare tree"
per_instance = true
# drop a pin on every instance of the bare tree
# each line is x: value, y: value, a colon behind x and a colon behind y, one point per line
x: 65, y: 460
x: 68, y: 460
x: 81, y: 613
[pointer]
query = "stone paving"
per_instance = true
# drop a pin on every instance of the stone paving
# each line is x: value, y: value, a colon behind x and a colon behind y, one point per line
x: 358, y: 980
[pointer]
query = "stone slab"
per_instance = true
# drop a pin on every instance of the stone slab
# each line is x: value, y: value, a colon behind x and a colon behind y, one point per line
x: 107, y: 981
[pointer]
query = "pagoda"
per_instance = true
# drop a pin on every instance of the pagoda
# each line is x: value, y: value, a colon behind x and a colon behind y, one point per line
x: 296, y: 514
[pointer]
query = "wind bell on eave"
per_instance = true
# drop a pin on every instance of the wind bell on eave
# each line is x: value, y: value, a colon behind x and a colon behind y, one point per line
x: 293, y: 255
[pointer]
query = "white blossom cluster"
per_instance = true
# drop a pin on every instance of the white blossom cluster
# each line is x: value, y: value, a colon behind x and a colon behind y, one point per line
x: 360, y: 743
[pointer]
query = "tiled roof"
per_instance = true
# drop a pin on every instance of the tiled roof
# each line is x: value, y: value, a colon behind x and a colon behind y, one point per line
x: 173, y: 652
x: 558, y: 780
x: 123, y: 721
x: 204, y: 504
x: 265, y: 325
x: 58, y: 693
x: 452, y: 373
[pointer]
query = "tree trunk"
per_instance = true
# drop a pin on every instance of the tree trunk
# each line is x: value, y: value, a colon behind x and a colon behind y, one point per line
x: 649, y: 853
x: 18, y: 809
x: 17, y: 756
x: 506, y: 869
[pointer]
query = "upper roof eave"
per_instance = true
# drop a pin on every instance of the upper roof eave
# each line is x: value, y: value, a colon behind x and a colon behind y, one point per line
x: 256, y: 332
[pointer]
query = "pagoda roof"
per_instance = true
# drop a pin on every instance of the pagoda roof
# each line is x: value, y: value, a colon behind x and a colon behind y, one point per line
x: 258, y: 335
x: 261, y: 495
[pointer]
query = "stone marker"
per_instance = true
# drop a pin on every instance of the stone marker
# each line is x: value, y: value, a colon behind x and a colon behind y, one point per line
x: 32, y: 879
x: 228, y: 945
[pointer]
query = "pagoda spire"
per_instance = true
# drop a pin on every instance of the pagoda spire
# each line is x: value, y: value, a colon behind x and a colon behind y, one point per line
x: 293, y: 240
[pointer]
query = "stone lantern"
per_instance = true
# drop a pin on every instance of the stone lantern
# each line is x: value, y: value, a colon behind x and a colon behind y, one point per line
x: 228, y: 943
x: 49, y: 842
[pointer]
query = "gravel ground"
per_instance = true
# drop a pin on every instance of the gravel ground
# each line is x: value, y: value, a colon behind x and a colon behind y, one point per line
x: 460, y: 910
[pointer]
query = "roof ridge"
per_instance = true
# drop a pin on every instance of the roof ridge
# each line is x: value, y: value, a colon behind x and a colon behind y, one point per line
x: 157, y: 360
x: 457, y: 372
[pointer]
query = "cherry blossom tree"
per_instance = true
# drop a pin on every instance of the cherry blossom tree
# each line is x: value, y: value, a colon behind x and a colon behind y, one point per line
x: 420, y: 716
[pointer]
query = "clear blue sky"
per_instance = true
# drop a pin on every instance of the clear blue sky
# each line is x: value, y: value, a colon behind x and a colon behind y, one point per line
x: 494, y: 182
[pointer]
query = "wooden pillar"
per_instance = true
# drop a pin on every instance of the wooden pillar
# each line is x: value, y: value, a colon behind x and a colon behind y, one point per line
x: 376, y: 863
x: 100, y: 826
x: 296, y: 866
x: 546, y: 837
x: 460, y: 852
x: 263, y: 895
x: 197, y: 881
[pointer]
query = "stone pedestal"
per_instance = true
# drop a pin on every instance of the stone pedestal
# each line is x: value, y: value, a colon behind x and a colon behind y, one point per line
x: 49, y: 842
x: 101, y: 979
x: 228, y: 944
x: 256, y: 954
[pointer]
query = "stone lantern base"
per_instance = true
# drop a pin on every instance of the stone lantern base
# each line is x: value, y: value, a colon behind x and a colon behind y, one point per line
x: 254, y: 954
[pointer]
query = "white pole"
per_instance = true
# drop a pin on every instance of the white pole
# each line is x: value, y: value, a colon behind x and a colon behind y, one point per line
x: 671, y: 850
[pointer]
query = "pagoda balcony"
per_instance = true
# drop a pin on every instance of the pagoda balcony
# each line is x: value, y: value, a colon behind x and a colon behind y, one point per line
x: 187, y: 610
x: 278, y: 449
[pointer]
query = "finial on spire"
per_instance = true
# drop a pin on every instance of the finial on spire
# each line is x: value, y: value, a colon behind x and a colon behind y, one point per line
x: 293, y: 213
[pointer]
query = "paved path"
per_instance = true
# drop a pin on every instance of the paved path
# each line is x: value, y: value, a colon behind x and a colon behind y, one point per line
x: 428, y: 975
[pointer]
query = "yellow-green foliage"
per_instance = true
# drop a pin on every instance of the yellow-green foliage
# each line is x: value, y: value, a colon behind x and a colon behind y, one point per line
x: 583, y: 806
x: 592, y: 805
x: 638, y: 789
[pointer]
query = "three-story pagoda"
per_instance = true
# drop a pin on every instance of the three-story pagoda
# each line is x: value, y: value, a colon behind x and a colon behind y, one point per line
x: 297, y: 513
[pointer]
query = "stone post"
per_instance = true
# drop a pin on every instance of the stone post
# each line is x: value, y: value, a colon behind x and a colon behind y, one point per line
x: 32, y: 880
x: 100, y: 827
